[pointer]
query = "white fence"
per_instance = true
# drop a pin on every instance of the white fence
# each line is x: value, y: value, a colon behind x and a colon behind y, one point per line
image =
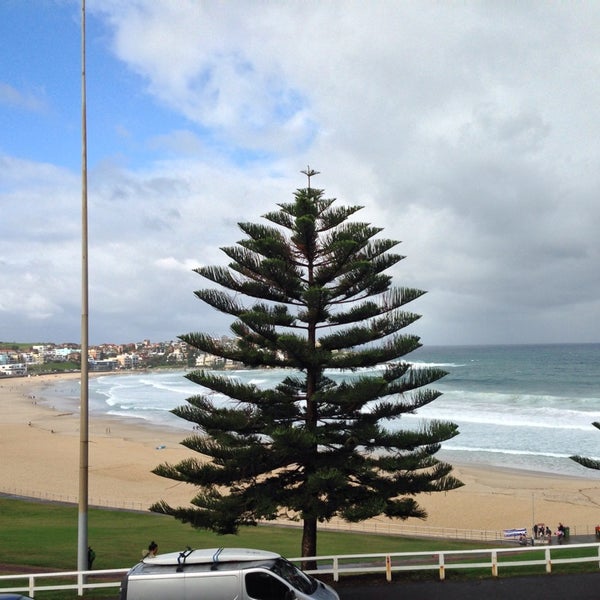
x: 81, y: 580
x: 492, y: 560
x: 384, y: 526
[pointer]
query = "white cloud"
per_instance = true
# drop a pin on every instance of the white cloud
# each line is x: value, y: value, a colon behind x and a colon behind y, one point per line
x: 173, y: 264
x: 15, y: 98
x: 469, y: 132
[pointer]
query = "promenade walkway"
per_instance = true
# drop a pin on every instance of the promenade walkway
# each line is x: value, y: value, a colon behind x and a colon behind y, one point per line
x: 548, y: 587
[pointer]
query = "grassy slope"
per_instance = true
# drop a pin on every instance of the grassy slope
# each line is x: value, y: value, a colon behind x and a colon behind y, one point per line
x: 45, y: 535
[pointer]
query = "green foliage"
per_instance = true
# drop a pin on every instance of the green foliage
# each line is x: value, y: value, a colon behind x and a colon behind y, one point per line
x: 19, y: 346
x: 54, y: 367
x: 310, y: 292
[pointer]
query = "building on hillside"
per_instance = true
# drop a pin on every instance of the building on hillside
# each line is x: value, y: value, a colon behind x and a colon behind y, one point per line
x: 128, y: 361
x: 13, y: 370
x: 103, y: 365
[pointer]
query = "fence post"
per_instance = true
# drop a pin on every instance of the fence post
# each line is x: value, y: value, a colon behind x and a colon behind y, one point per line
x: 548, y: 561
x: 336, y: 573
x: 32, y: 585
x: 442, y: 569
x: 80, y: 579
x: 388, y: 568
x: 494, y: 563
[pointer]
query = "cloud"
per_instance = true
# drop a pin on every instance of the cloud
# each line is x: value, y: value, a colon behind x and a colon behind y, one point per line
x: 470, y: 133
x: 14, y: 98
x: 196, y: 67
x: 180, y: 143
x: 172, y: 264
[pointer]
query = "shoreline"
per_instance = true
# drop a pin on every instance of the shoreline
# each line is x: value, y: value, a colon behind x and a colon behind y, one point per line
x: 40, y: 449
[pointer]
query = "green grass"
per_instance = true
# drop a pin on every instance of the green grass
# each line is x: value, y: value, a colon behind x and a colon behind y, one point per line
x: 44, y: 536
x: 53, y: 367
x: 19, y: 346
x: 41, y: 534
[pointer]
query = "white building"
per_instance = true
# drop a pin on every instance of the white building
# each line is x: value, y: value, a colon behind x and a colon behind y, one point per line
x: 13, y: 370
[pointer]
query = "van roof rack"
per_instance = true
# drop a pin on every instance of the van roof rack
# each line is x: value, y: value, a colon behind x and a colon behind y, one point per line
x: 182, y: 558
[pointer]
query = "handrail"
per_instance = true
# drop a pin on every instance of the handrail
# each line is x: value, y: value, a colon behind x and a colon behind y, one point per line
x: 80, y: 578
x: 389, y: 527
x: 492, y: 559
x: 448, y: 559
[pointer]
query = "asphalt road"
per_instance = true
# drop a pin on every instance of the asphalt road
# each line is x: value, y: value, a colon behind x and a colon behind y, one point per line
x: 544, y: 587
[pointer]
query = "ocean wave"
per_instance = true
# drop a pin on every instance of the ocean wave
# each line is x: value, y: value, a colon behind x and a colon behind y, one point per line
x: 259, y: 382
x: 524, y: 407
x: 129, y: 408
x: 577, y: 421
x: 161, y: 420
x: 506, y: 451
x: 436, y: 365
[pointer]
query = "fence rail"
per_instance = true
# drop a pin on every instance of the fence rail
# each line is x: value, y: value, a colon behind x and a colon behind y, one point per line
x: 46, y: 496
x: 388, y: 527
x: 81, y: 580
x: 492, y: 560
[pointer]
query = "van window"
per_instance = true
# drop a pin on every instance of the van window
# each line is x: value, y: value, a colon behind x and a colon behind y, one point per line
x: 293, y: 575
x: 263, y: 586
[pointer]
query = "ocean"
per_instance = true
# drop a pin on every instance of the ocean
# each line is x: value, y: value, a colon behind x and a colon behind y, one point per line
x: 527, y: 407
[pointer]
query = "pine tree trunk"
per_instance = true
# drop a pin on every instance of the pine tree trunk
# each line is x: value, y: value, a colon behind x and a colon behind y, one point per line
x: 309, y: 542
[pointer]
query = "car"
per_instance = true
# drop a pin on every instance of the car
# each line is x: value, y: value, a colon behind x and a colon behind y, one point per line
x: 221, y: 574
x: 14, y: 597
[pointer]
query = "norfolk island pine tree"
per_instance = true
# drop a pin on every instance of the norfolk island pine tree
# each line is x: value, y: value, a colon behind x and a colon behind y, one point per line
x: 309, y: 293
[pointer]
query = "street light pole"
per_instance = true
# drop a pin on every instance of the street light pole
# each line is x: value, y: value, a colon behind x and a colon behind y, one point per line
x: 82, y: 531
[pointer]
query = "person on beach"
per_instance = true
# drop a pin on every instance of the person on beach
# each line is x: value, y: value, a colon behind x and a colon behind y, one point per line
x: 152, y: 550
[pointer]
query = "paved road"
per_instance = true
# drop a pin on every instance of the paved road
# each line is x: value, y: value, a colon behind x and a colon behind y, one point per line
x: 545, y: 587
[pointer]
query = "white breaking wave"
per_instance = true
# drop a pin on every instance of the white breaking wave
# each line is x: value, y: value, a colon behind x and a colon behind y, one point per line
x: 511, y: 407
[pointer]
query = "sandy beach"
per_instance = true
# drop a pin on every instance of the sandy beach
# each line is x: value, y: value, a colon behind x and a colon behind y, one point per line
x: 40, y: 458
x: 40, y: 452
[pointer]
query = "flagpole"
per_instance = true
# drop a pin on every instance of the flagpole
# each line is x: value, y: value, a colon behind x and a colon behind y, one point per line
x: 82, y: 531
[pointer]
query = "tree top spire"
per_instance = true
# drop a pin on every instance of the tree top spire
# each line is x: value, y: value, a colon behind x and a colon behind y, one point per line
x: 309, y: 173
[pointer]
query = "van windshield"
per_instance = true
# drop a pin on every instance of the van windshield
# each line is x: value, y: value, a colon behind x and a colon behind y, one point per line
x: 294, y: 576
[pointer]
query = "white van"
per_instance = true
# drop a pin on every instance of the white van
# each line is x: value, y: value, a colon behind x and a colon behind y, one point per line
x: 221, y: 574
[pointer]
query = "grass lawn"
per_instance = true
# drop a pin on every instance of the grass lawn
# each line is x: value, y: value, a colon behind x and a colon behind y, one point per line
x: 43, y: 536
x: 40, y: 534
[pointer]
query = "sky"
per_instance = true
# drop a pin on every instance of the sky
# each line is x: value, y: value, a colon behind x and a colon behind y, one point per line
x: 468, y: 131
